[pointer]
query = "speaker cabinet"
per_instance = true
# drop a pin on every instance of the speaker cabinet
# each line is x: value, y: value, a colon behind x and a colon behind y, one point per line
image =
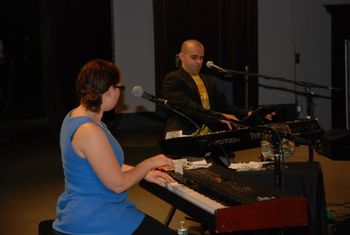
x: 335, y: 144
x: 343, y: 227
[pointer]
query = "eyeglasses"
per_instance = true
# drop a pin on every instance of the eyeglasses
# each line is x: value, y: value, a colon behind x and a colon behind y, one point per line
x: 121, y: 87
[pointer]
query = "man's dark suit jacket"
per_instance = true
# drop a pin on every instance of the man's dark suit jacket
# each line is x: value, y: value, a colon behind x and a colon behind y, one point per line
x: 182, y: 93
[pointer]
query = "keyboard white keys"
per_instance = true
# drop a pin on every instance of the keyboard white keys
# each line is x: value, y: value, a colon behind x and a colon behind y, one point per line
x: 194, y: 197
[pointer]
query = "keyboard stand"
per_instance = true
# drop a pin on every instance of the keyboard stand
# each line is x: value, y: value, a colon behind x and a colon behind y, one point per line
x: 170, y: 216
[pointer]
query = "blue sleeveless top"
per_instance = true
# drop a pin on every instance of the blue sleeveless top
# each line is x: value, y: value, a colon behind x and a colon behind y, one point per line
x: 87, y: 206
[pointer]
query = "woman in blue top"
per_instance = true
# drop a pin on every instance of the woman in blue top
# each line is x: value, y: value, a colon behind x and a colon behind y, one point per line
x: 96, y: 179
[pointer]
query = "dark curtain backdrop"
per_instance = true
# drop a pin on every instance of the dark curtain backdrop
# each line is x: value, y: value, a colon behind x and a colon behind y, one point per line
x: 228, y: 30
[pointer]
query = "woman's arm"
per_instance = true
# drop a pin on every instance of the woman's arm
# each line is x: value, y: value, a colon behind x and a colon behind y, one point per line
x: 91, y: 143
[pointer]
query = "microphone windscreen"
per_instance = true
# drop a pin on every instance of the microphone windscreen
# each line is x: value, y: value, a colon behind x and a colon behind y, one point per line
x: 137, y: 91
x: 209, y: 64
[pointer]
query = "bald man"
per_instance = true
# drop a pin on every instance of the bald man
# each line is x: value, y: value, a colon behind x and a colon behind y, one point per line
x: 196, y: 96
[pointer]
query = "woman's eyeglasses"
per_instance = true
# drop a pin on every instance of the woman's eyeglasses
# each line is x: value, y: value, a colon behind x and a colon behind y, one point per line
x: 121, y: 87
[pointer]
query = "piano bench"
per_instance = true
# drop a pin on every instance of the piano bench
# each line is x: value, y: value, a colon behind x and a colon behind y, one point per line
x: 45, y: 227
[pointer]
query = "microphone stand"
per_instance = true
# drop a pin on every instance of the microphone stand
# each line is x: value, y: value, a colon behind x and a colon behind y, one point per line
x: 166, y: 105
x: 278, y: 152
x: 309, y: 117
x: 246, y: 69
x: 308, y: 93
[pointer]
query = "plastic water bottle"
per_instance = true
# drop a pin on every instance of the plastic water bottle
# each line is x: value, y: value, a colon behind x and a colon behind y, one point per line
x: 182, y: 230
x: 288, y: 147
x: 267, y: 151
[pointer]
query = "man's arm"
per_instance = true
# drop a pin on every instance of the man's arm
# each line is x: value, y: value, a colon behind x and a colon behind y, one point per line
x: 181, y: 93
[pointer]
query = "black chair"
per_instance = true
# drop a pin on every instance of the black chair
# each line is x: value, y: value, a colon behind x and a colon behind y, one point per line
x: 45, y: 227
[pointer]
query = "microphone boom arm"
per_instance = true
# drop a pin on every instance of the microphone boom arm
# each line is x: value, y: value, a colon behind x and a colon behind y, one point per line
x: 299, y: 83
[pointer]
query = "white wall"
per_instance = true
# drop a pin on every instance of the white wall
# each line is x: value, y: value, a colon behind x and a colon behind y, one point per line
x: 134, y: 51
x: 287, y: 27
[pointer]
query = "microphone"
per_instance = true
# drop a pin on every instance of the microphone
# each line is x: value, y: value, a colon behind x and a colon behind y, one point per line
x: 210, y: 64
x: 139, y: 92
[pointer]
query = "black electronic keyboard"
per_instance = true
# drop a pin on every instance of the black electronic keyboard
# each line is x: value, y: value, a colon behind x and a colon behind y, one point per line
x: 219, y: 143
x: 300, y: 128
x: 228, y: 202
x: 229, y: 189
x: 222, y: 142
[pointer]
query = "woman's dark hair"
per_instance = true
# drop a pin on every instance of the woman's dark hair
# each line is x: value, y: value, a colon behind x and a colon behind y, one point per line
x: 94, y: 79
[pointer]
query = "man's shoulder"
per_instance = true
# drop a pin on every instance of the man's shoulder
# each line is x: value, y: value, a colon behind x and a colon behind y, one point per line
x: 177, y: 72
